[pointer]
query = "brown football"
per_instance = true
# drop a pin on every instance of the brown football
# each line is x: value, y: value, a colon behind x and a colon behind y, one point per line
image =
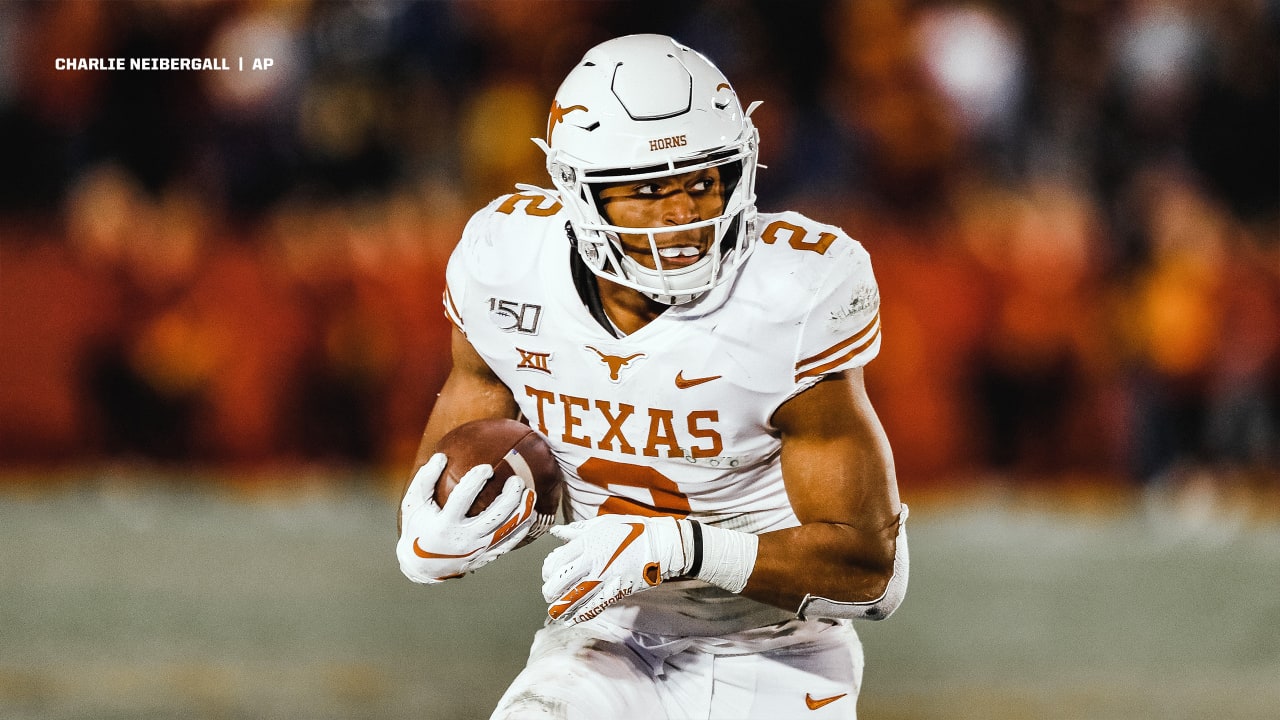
x: 512, y: 448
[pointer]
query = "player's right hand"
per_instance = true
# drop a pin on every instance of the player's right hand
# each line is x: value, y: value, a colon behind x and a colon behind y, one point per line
x: 610, y: 557
x: 439, y: 543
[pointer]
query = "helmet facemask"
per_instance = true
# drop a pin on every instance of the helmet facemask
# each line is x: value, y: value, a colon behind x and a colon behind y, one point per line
x: 644, y: 107
x: 600, y: 244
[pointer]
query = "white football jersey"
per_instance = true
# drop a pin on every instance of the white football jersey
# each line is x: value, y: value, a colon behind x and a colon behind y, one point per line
x: 674, y: 418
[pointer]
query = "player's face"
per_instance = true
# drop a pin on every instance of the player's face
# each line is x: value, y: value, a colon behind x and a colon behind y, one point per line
x: 666, y: 202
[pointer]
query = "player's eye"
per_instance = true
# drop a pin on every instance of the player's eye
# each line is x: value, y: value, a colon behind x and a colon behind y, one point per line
x: 703, y: 184
x: 647, y: 189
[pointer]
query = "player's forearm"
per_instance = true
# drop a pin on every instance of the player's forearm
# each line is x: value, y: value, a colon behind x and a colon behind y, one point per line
x: 825, y: 559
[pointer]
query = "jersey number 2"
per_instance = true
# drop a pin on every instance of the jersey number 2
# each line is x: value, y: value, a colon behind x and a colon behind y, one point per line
x: 667, y: 498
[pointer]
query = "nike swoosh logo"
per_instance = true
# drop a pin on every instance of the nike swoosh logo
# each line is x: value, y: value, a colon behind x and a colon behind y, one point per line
x: 815, y: 704
x: 636, y: 530
x: 686, y: 384
x: 513, y: 522
x: 568, y: 599
x: 428, y: 555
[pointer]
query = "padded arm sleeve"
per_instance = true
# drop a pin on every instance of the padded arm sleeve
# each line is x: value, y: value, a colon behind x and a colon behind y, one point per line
x: 882, y: 607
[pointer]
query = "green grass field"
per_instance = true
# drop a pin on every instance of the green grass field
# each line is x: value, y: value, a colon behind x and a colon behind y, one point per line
x: 138, y: 601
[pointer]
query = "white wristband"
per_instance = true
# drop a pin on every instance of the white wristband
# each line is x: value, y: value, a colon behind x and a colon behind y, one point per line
x: 727, y: 556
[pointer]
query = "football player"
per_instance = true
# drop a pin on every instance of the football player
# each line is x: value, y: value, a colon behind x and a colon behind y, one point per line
x: 696, y: 367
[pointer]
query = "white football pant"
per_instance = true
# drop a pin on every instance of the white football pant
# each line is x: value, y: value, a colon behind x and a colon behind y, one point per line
x: 799, y: 669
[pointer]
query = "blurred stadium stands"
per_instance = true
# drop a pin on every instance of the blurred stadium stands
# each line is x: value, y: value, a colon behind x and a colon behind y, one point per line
x: 1071, y: 206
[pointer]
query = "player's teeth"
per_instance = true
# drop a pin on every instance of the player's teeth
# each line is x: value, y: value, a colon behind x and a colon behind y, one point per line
x: 674, y: 252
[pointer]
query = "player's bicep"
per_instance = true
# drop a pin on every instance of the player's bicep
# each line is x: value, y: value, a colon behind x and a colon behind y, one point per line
x: 471, y: 392
x: 836, y: 460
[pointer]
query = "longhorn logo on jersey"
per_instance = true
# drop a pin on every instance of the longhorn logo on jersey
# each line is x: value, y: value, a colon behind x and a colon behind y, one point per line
x: 616, y: 363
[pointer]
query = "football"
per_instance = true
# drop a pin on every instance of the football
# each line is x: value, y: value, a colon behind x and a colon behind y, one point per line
x: 512, y: 448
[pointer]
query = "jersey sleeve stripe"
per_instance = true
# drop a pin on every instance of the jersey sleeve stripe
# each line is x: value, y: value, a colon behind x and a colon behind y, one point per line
x: 868, y: 337
x: 872, y: 325
x: 451, y: 310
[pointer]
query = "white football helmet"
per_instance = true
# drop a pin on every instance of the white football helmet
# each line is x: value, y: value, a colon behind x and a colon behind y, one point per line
x: 642, y: 107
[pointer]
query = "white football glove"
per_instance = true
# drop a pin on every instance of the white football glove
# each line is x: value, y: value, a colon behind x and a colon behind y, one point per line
x: 610, y: 557
x: 437, y: 543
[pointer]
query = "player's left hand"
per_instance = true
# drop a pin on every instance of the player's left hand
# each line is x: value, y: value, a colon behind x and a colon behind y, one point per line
x: 608, y: 558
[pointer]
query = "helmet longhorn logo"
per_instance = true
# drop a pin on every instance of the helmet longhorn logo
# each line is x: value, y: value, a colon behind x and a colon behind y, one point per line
x: 724, y: 104
x: 557, y: 116
x: 615, y: 362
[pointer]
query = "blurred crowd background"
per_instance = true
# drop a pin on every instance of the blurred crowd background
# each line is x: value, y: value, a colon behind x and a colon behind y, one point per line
x: 1071, y: 206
